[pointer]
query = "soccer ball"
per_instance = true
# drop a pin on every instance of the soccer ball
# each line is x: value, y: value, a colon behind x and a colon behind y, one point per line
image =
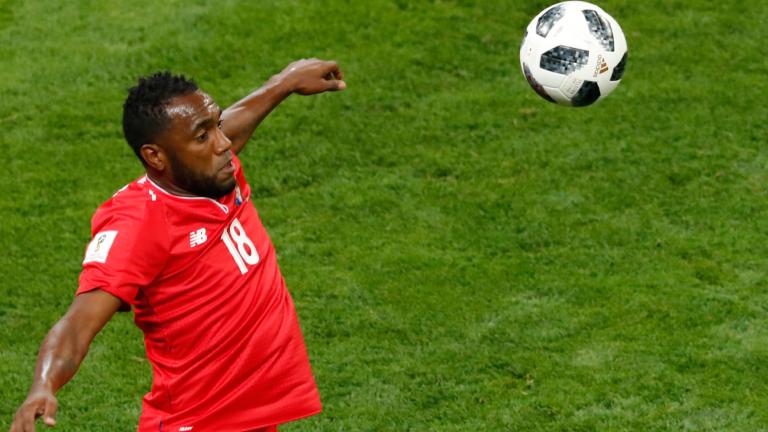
x: 573, y: 53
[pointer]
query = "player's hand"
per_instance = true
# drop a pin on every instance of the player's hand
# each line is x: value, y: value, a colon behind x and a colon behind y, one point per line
x: 312, y: 76
x: 38, y: 404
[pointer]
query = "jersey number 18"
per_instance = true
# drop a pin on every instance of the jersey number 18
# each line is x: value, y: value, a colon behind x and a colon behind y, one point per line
x: 240, y: 246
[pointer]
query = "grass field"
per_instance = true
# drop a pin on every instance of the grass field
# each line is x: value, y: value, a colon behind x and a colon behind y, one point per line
x: 464, y: 256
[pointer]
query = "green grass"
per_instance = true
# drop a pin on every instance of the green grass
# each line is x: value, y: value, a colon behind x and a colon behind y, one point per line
x: 464, y: 256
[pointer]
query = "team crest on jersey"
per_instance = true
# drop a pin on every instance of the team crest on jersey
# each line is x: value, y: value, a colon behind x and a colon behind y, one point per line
x: 196, y: 238
x: 98, y: 249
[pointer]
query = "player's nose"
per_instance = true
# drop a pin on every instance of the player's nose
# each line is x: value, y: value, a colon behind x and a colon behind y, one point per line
x: 223, y: 143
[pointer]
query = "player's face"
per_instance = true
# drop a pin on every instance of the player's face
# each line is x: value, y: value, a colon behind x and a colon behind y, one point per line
x: 198, y: 151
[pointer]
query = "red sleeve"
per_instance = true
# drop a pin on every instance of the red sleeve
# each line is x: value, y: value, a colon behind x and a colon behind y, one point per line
x: 128, y: 249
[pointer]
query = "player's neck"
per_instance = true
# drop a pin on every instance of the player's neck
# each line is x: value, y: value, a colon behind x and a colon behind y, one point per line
x: 168, y: 186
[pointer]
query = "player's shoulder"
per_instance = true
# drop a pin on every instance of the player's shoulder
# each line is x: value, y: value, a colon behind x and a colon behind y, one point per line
x: 135, y: 202
x: 137, y: 193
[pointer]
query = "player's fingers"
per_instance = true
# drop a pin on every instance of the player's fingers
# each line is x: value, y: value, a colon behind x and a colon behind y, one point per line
x: 28, y: 425
x: 335, y: 85
x: 28, y: 416
x: 16, y: 426
x: 334, y: 78
x: 24, y: 420
x: 49, y: 415
x: 332, y: 68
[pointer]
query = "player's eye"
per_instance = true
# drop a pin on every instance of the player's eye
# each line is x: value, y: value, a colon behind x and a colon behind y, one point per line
x: 220, y: 124
x: 202, y: 137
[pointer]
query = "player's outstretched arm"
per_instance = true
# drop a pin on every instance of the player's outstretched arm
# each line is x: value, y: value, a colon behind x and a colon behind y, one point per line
x: 61, y: 353
x: 305, y: 77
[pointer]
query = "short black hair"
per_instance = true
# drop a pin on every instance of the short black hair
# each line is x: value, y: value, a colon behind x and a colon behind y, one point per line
x: 144, y: 115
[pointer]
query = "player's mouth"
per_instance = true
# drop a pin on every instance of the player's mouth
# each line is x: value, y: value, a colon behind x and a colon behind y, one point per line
x: 228, y: 168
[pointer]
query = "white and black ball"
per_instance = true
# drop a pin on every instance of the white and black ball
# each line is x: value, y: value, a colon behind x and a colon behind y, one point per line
x: 573, y: 53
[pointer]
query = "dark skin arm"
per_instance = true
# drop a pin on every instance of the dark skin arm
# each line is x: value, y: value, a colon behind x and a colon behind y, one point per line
x: 304, y: 77
x: 61, y: 353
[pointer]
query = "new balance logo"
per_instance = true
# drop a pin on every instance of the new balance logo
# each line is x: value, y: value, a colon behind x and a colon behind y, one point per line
x: 196, y: 238
x: 185, y: 428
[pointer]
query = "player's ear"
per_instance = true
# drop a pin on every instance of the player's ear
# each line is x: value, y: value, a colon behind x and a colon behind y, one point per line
x: 154, y: 156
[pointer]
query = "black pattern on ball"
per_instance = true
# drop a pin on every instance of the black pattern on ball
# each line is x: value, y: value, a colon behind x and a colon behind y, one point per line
x: 548, y: 20
x: 600, y: 29
x: 588, y: 93
x: 564, y: 60
x: 618, y: 71
x: 535, y: 84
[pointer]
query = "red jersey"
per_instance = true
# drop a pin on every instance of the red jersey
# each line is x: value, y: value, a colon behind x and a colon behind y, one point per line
x: 220, y: 328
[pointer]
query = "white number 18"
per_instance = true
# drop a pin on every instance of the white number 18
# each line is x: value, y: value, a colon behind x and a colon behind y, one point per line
x: 242, y: 248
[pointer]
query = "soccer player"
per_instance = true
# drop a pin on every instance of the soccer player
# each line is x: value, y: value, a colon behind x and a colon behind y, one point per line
x: 184, y: 246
